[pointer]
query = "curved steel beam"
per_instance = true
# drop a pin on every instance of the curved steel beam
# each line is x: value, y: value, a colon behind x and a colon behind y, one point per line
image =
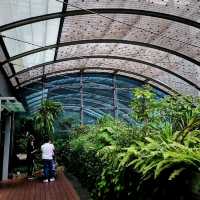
x: 125, y: 59
x: 99, y: 11
x: 143, y: 44
x: 30, y: 81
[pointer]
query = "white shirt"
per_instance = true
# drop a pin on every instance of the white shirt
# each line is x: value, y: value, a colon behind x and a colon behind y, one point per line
x: 47, y: 151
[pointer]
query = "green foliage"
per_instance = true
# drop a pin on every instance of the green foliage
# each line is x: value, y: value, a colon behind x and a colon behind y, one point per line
x: 158, y: 153
x: 23, y: 125
x: 61, y: 143
x: 91, y: 149
x: 144, y: 104
x: 66, y: 123
x: 45, y: 118
x: 172, y: 125
x: 146, y: 160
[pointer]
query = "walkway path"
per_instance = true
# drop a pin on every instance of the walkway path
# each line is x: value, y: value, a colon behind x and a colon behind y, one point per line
x: 22, y: 189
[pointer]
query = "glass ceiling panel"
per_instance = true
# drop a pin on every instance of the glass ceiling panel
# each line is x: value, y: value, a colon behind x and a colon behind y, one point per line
x: 152, y: 30
x: 33, y: 59
x: 168, y: 79
x: 116, y: 64
x: 183, y: 8
x: 166, y: 60
x: 161, y: 32
x: 14, y: 10
x: 31, y: 36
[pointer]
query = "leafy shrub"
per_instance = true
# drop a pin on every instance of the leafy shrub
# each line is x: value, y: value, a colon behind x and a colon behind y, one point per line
x: 150, y: 159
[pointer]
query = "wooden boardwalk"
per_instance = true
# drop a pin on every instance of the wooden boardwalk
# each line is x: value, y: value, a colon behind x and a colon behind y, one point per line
x: 23, y: 189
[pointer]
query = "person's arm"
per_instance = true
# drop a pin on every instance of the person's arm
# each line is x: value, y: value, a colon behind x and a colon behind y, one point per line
x: 32, y: 152
x: 53, y: 149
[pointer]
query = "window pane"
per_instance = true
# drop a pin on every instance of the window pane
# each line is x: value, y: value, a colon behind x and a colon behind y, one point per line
x: 39, y: 34
x: 14, y: 10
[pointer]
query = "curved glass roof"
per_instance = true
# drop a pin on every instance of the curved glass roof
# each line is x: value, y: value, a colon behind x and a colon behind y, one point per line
x: 182, y: 8
x: 154, y: 41
x: 12, y: 10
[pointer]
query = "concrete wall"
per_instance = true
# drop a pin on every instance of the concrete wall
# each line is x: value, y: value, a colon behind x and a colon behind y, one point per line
x: 5, y: 135
x: 5, y: 89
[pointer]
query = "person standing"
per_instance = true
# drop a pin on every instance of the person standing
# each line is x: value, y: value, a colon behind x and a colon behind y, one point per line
x: 30, y: 156
x: 47, y: 156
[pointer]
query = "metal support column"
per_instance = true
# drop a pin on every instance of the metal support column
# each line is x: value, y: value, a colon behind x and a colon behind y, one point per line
x: 62, y: 19
x: 1, y: 147
x: 10, y: 168
x: 6, y: 152
x: 43, y: 81
x: 81, y: 97
x: 3, y: 99
x: 7, y: 140
x: 0, y: 121
x: 115, y: 107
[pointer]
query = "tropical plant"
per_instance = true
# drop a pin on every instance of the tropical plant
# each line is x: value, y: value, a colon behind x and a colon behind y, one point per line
x: 143, y: 160
x: 171, y: 143
x: 156, y: 154
x: 87, y: 150
x: 45, y: 118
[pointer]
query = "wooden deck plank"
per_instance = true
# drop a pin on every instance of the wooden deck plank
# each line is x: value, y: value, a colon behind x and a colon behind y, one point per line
x: 61, y: 189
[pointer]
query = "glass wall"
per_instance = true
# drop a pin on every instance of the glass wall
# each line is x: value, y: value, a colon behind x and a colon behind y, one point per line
x: 86, y: 97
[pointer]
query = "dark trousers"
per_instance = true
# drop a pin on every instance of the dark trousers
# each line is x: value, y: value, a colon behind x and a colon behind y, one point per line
x: 30, y: 165
x: 48, y: 168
